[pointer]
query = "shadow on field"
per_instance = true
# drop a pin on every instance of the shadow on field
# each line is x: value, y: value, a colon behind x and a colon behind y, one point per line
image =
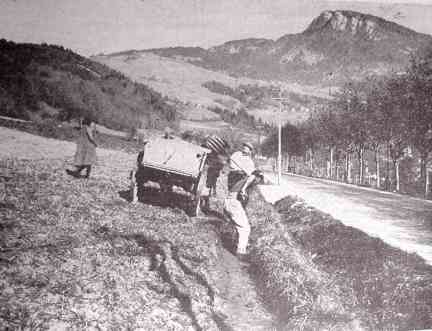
x: 155, y: 197
x: 152, y: 196
x: 167, y: 260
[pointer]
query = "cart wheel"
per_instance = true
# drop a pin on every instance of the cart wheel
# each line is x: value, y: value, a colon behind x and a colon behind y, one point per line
x: 133, y: 187
x: 197, y: 188
x: 194, y: 206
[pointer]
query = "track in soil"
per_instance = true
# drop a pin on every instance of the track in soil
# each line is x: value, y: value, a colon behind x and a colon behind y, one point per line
x: 238, y: 301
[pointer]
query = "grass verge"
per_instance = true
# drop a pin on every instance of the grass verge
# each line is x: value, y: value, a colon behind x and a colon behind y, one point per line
x: 303, y: 296
x: 392, y: 287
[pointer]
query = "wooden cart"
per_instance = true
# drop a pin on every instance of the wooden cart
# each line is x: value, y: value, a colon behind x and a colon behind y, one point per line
x: 171, y: 162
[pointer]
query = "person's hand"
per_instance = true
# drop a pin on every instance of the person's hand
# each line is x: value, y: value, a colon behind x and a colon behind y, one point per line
x: 243, y: 197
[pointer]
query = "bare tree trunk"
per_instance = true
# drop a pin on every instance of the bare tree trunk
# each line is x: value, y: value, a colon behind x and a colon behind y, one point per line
x: 361, y: 165
x: 388, y: 188
x: 348, y: 167
x: 337, y: 171
x: 423, y: 159
x: 311, y: 160
x: 295, y: 164
x: 378, y: 175
x: 396, y: 164
x: 424, y: 173
x: 289, y: 163
x: 331, y: 162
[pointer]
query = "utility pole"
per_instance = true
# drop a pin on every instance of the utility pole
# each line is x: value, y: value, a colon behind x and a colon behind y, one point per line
x: 259, y: 130
x: 279, y: 158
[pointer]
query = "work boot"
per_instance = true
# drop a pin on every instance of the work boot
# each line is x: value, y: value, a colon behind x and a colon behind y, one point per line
x: 72, y: 173
x: 243, y: 258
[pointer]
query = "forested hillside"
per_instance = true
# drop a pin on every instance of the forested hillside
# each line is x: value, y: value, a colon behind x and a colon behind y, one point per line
x: 51, y: 82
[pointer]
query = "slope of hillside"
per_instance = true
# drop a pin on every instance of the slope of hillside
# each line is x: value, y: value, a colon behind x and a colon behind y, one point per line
x: 47, y: 81
x: 175, y: 79
x: 188, y: 86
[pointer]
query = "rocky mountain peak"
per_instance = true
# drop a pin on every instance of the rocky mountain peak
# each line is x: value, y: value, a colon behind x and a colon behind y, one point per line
x: 356, y: 24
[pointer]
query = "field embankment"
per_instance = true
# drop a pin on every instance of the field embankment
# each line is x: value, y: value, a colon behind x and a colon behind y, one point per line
x: 303, y: 296
x: 106, y: 138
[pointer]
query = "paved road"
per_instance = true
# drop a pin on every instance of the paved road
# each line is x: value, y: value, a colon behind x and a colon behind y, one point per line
x: 400, y: 221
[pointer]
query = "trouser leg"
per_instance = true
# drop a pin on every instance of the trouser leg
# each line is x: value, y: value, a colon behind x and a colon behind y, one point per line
x: 243, y: 238
x: 238, y: 215
x: 205, y: 198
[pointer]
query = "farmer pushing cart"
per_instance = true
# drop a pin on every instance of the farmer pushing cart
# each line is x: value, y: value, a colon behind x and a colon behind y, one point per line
x: 216, y: 160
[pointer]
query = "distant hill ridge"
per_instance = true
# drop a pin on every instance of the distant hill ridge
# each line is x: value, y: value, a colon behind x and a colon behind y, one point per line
x: 336, y: 46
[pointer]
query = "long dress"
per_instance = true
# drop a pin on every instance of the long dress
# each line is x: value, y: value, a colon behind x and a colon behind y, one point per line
x: 86, y: 150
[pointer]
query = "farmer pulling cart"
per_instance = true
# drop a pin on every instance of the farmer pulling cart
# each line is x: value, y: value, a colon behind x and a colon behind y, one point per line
x: 171, y: 162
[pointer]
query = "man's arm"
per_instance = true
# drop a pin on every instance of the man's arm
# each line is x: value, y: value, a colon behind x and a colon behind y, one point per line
x: 262, y: 179
x: 266, y: 181
x: 248, y: 182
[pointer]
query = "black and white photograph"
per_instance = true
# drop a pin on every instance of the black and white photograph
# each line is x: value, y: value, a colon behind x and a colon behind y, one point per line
x: 205, y: 165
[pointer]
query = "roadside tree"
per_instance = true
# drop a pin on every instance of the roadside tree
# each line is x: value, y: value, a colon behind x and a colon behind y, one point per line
x: 419, y: 104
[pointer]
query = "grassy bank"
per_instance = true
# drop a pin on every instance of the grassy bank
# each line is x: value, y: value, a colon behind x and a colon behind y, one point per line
x: 392, y: 287
x: 303, y: 296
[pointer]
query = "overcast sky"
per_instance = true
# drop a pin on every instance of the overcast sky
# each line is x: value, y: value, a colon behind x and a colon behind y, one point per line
x: 96, y: 26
